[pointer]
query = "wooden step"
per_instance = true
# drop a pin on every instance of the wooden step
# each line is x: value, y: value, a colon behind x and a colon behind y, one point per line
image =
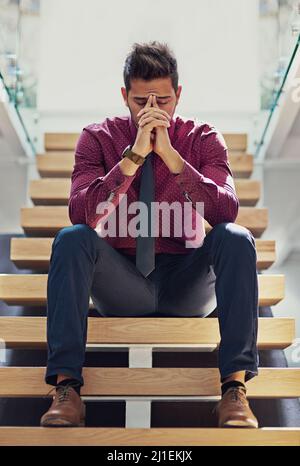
x: 23, y: 332
x: 241, y: 164
x: 271, y: 382
x: 34, y: 253
x: 60, y: 141
x: 55, y: 165
x: 56, y: 191
x: 50, y: 191
x: 236, y: 141
x: 60, y: 164
x: 68, y: 141
x: 155, y: 436
x: 31, y: 289
x: 48, y: 220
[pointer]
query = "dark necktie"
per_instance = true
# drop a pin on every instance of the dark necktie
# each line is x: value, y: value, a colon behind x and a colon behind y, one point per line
x: 145, y: 246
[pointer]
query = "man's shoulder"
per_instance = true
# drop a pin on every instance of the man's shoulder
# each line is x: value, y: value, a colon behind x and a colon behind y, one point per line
x: 195, y: 125
x: 107, y: 123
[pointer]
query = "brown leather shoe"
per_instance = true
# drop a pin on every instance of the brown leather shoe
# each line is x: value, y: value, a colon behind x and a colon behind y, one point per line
x: 233, y: 409
x: 66, y: 410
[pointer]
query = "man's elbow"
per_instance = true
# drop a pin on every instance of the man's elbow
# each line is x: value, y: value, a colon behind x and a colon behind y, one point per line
x: 76, y: 215
x: 233, y: 209
x: 228, y: 213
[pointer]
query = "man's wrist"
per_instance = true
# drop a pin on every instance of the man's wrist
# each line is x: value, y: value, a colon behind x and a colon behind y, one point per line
x: 136, y: 150
x: 128, y: 167
x: 174, y: 161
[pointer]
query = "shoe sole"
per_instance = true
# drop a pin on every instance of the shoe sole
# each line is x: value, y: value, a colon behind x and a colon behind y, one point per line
x: 56, y: 422
x: 239, y: 424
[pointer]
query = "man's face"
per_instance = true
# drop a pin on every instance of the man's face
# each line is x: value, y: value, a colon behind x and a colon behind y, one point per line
x: 137, y: 97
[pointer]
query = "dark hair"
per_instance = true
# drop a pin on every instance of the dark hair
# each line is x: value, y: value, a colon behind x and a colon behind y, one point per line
x: 150, y: 61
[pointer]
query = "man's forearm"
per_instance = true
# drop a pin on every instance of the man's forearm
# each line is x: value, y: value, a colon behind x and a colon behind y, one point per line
x: 128, y: 167
x: 174, y: 161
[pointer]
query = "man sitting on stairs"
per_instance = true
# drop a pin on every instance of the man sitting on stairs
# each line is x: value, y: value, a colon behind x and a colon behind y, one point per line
x: 151, y: 156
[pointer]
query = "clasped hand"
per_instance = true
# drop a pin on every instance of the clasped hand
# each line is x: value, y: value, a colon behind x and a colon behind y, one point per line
x: 156, y: 121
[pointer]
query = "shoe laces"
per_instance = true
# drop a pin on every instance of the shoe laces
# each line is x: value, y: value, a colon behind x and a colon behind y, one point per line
x: 63, y: 391
x: 236, y: 395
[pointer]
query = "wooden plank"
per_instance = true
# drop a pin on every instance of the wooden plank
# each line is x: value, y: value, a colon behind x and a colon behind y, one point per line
x: 48, y: 220
x: 248, y: 191
x: 241, y: 164
x: 17, y: 332
x: 272, y: 382
x: 31, y: 253
x: 266, y: 253
x: 67, y: 141
x: 56, y: 165
x: 60, y: 141
x: 271, y: 289
x: 34, y: 253
x: 236, y: 141
x: 155, y: 436
x: 60, y: 164
x: 31, y: 289
x: 56, y: 191
x: 50, y: 191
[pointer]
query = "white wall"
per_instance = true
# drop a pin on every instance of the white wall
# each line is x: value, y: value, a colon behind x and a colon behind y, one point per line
x: 84, y: 44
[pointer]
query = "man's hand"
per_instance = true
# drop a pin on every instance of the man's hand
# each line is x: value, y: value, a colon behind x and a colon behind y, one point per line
x: 150, y: 118
x: 157, y: 121
x: 159, y: 133
x: 162, y: 144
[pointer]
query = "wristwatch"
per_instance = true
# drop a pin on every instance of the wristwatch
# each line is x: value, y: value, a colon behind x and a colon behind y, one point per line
x: 137, y: 159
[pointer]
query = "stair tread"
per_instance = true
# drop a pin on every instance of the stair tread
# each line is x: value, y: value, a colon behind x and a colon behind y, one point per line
x: 108, y: 436
x: 31, y: 331
x: 271, y: 382
x: 47, y: 220
x: 31, y: 289
x: 67, y: 141
x: 56, y: 191
x: 35, y: 252
x: 60, y: 164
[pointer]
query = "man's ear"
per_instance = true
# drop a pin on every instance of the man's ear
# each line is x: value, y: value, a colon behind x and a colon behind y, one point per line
x: 179, y: 89
x: 124, y: 94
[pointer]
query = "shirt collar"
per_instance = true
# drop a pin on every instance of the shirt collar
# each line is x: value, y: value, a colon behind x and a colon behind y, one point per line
x: 133, y: 128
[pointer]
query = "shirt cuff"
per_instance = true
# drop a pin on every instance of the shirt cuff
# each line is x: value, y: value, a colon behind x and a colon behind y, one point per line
x: 116, y: 179
x: 189, y: 177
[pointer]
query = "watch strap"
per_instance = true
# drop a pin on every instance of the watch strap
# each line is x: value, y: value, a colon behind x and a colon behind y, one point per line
x: 137, y: 159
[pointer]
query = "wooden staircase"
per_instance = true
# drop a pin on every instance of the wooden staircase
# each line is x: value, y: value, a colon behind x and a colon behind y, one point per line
x: 141, y: 382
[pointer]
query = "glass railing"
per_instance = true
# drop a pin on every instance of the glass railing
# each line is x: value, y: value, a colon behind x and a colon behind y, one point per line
x: 19, y: 30
x: 279, y: 39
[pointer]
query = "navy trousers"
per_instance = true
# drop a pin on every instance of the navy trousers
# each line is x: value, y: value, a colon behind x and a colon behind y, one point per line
x: 220, y: 274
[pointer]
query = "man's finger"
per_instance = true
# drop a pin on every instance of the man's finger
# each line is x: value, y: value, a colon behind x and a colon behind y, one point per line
x: 149, y: 101
x: 155, y: 123
x: 153, y: 110
x: 148, y: 104
x: 158, y: 115
x: 154, y: 101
